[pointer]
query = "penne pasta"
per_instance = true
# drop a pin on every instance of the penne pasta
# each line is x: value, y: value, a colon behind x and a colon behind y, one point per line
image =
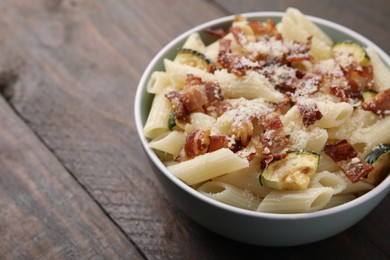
x: 246, y: 179
x: 295, y: 26
x: 337, y: 200
x: 333, y: 114
x: 194, y: 42
x: 157, y: 122
x: 199, y: 121
x: 372, y: 135
x: 178, y: 73
x: 308, y: 200
x: 329, y: 179
x: 356, y: 188
x: 381, y: 71
x: 251, y: 86
x: 229, y: 194
x: 170, y: 142
x: 208, y: 166
x: 159, y: 82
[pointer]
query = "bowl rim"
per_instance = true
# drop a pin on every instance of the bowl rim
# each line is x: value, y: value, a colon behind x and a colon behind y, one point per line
x: 162, y: 168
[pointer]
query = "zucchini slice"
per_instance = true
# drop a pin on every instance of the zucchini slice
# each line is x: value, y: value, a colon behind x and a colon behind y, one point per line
x: 379, y: 158
x: 172, y: 120
x: 292, y: 172
x: 353, y: 48
x: 192, y: 58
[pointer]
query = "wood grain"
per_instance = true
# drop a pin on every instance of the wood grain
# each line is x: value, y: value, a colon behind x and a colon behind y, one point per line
x: 77, y: 65
x: 70, y: 69
x: 45, y: 214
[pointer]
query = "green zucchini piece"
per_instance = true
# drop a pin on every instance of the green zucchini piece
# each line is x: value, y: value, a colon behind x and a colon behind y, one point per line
x: 172, y: 120
x: 192, y: 58
x: 379, y: 158
x: 368, y: 95
x: 292, y: 172
x: 354, y: 48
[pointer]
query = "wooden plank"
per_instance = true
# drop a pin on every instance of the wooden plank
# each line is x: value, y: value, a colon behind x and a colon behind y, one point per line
x: 77, y: 68
x: 77, y: 64
x: 45, y: 214
x: 367, y: 18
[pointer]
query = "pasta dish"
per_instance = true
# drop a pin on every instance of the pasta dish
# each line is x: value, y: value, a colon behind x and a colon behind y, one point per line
x: 273, y: 117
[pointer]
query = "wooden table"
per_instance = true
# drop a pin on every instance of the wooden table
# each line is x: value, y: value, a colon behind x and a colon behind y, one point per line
x: 74, y: 182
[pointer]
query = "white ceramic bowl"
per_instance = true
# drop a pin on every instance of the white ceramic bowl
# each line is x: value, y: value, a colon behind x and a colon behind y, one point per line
x: 243, y: 225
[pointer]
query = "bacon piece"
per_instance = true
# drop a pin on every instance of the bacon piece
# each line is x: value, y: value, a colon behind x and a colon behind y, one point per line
x: 197, y: 97
x: 359, y: 78
x: 224, y: 45
x: 219, y: 32
x: 380, y: 104
x: 200, y: 142
x: 194, y: 98
x: 197, y: 143
x: 213, y: 92
x: 299, y: 53
x: 243, y: 132
x: 239, y: 35
x: 273, y: 138
x: 282, y: 77
x: 345, y: 92
x: 192, y: 80
x: 236, y: 64
x: 347, y: 159
x: 217, y: 142
x: 216, y: 109
x: 267, y: 159
x: 267, y: 28
x: 309, y: 84
x: 352, y: 82
x: 340, y: 87
x: 180, y: 110
x: 310, y: 113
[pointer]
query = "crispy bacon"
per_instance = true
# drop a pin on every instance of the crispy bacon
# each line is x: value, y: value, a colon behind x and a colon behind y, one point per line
x: 213, y: 92
x: 267, y: 159
x: 340, y: 87
x: 310, y: 113
x: 192, y: 80
x: 236, y: 64
x: 216, y: 109
x: 352, y: 82
x: 267, y: 28
x: 348, y: 160
x: 196, y: 97
x: 300, y: 53
x: 219, y: 32
x: 359, y: 78
x: 197, y: 143
x: 224, y: 44
x: 345, y: 92
x: 200, y: 142
x: 243, y: 132
x: 273, y: 138
x: 180, y: 110
x: 340, y: 151
x: 239, y: 35
x: 309, y: 84
x: 282, y: 77
x: 380, y: 104
x: 217, y: 142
